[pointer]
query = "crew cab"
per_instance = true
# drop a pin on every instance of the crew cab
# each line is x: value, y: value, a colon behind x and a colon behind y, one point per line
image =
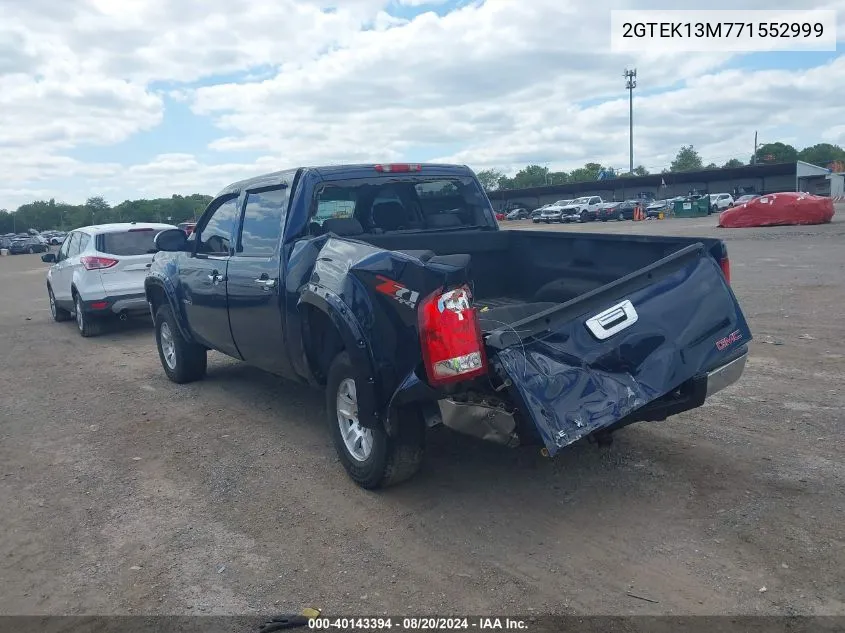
x: 583, y: 209
x: 392, y: 288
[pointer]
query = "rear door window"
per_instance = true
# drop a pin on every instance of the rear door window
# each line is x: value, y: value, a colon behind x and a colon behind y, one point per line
x: 128, y: 243
x: 264, y: 217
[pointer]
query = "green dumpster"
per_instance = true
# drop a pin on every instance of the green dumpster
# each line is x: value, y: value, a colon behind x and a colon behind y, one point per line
x: 692, y: 208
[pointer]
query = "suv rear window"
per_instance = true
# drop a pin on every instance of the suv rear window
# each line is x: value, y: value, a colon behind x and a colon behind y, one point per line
x: 127, y: 243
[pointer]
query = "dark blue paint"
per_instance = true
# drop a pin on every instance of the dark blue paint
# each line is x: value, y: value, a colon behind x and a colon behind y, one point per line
x: 572, y: 384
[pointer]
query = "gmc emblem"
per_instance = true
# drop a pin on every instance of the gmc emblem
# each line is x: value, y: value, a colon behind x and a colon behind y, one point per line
x: 724, y: 343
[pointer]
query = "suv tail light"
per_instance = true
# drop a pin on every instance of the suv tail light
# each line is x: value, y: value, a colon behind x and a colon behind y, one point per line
x: 97, y: 263
x: 452, y: 346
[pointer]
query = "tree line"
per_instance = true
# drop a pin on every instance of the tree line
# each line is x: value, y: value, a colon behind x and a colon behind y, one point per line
x: 687, y: 159
x: 51, y: 215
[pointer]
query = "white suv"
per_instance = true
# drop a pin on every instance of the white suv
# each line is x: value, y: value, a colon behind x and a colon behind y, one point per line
x: 100, y: 271
x: 721, y: 201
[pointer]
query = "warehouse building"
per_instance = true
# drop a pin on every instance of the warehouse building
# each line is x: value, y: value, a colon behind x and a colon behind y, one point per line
x: 770, y: 178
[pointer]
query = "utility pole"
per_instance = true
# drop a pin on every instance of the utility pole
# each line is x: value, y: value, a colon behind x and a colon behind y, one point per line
x: 754, y: 156
x: 630, y: 84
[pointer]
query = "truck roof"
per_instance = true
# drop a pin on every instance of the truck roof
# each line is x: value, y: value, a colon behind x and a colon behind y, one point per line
x: 334, y: 172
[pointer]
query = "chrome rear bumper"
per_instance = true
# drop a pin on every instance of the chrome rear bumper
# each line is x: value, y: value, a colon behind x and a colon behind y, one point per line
x: 725, y: 375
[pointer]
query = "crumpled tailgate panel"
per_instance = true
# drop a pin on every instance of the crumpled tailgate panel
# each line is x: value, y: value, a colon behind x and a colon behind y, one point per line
x: 573, y: 384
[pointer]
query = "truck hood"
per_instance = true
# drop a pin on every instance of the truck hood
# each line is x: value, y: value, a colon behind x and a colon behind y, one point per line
x: 662, y: 326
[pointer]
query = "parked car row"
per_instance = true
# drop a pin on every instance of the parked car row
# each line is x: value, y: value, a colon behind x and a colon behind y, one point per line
x: 589, y: 208
x: 20, y: 244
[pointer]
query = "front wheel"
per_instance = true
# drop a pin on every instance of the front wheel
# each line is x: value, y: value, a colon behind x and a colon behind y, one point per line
x: 183, y: 361
x: 371, y: 457
x: 31, y: 250
x: 621, y: 216
x: 584, y: 217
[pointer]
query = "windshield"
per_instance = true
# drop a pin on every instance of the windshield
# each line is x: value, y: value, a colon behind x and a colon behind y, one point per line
x: 583, y: 200
x: 409, y: 203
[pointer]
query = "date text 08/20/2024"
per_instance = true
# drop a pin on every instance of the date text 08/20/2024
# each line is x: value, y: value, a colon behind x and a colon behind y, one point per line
x: 419, y: 623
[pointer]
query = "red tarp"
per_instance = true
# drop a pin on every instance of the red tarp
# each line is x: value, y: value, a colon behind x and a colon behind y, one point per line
x: 779, y: 209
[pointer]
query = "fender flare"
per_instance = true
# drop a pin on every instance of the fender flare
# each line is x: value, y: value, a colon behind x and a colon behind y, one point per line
x: 166, y: 287
x: 370, y: 411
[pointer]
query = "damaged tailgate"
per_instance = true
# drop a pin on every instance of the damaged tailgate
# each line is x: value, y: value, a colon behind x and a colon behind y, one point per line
x: 590, y: 362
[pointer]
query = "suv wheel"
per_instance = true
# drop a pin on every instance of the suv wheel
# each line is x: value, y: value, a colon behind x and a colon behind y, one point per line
x: 183, y: 361
x: 86, y: 324
x: 584, y: 217
x: 59, y: 314
x: 621, y: 216
x: 371, y: 457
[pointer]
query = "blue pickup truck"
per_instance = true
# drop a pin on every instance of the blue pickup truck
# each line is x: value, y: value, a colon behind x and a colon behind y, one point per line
x: 392, y: 288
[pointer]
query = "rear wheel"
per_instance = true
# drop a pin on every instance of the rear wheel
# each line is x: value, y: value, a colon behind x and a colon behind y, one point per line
x: 87, y: 324
x: 183, y: 361
x: 59, y: 314
x: 371, y: 457
x: 31, y: 250
x: 621, y: 216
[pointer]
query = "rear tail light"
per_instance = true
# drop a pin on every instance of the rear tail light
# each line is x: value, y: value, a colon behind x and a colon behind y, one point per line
x: 97, y: 263
x: 450, y: 334
x: 726, y: 268
x: 398, y: 168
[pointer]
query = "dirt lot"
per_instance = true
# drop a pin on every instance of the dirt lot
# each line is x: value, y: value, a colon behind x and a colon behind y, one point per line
x: 124, y: 493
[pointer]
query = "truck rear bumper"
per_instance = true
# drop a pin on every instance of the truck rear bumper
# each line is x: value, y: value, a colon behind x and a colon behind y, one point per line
x: 725, y: 375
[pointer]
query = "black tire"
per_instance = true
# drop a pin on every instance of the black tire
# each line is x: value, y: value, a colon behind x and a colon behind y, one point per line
x: 87, y: 324
x: 31, y: 250
x: 583, y: 217
x: 189, y: 360
x: 621, y: 216
x: 390, y: 460
x: 60, y: 315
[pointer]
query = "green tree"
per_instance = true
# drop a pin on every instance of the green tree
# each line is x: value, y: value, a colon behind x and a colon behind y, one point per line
x: 821, y: 154
x: 776, y: 153
x: 686, y: 160
x: 531, y: 176
x: 734, y: 162
x: 640, y: 171
x: 590, y: 171
x: 489, y: 178
x: 711, y: 166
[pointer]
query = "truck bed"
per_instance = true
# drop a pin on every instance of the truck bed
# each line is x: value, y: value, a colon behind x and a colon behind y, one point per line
x: 516, y: 274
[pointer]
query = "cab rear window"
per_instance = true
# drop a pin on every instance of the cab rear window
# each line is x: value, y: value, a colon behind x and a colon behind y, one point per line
x: 132, y: 242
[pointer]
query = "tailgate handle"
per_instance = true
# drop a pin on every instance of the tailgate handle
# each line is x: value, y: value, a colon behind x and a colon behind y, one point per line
x: 613, y: 320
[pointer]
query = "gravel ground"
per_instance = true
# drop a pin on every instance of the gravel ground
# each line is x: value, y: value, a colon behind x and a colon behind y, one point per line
x: 124, y: 493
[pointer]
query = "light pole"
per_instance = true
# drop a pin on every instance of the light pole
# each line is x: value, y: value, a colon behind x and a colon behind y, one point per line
x: 630, y: 84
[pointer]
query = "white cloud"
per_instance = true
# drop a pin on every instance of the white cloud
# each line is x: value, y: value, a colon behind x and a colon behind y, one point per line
x: 497, y: 83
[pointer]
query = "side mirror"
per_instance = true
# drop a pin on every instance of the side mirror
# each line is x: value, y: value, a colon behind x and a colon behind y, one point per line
x: 50, y: 258
x: 171, y: 241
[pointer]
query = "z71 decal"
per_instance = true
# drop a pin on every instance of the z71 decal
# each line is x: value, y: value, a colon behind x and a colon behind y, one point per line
x: 724, y: 343
x: 397, y: 291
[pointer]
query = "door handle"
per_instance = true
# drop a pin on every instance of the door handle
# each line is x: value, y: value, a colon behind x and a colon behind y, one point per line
x: 266, y: 283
